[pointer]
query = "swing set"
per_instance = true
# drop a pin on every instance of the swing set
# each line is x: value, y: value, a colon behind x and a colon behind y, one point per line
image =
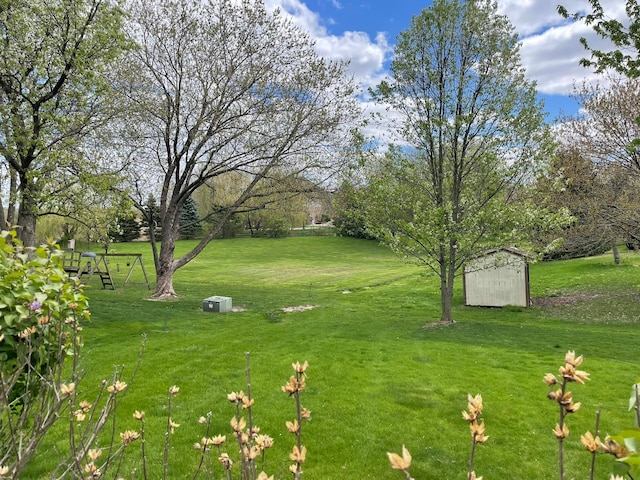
x: 85, y: 264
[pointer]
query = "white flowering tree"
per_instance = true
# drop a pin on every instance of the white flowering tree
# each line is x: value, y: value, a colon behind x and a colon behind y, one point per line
x: 223, y: 89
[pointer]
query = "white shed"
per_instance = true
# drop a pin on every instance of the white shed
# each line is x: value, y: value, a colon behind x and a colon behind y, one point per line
x: 497, y: 278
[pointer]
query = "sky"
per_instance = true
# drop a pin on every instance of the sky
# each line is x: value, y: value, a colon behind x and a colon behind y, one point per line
x: 364, y: 32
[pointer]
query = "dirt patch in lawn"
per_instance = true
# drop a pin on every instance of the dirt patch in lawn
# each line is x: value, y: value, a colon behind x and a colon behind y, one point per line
x: 299, y: 308
x: 438, y: 324
x: 563, y: 300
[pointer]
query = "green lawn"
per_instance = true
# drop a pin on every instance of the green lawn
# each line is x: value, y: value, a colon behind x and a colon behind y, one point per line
x: 378, y: 378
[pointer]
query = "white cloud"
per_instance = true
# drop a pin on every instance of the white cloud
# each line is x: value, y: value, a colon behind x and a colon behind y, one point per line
x: 366, y: 56
x: 300, y: 15
x: 552, y: 58
x: 531, y: 17
x: 551, y: 49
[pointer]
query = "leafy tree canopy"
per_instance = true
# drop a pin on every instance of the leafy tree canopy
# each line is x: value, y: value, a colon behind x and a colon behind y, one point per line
x: 53, y: 93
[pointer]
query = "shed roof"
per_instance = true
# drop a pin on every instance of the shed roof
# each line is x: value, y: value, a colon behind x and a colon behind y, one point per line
x: 514, y: 250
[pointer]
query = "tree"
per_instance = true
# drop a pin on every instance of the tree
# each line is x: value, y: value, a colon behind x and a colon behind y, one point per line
x: 349, y: 218
x: 599, y: 165
x: 224, y: 87
x: 52, y: 93
x: 472, y: 133
x: 278, y: 205
x: 190, y: 226
x: 278, y: 202
x: 13, y: 189
x: 151, y: 220
x: 127, y: 229
x: 624, y: 58
x: 601, y: 198
x: 213, y: 200
x: 625, y: 37
x: 605, y: 127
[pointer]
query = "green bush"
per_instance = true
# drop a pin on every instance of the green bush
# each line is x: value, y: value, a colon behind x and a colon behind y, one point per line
x: 273, y: 228
x: 39, y: 308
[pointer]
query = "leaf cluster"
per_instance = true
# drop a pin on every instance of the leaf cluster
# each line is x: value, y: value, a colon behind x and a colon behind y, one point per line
x: 625, y: 36
x: 35, y: 293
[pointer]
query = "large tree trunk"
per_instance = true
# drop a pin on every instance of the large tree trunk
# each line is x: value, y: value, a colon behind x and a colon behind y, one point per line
x: 165, y: 268
x: 13, y: 195
x: 27, y: 213
x: 164, y: 285
x: 446, y: 295
x: 616, y: 253
x: 3, y: 220
x: 26, y: 225
x: 446, y: 301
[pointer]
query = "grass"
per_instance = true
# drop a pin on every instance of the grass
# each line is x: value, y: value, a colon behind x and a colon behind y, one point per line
x: 378, y: 378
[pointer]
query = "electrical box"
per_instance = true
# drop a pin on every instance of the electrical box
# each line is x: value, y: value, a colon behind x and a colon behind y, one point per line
x: 216, y: 304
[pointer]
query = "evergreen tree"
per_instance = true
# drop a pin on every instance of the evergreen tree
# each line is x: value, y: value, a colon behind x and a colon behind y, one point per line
x: 190, y: 226
x: 128, y: 229
x: 151, y: 216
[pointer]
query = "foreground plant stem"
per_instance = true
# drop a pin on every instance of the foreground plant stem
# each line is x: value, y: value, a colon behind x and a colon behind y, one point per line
x: 250, y: 473
x: 593, y: 454
x: 143, y: 450
x: 298, y: 434
x: 473, y: 452
x: 561, y: 439
x: 170, y: 426
x: 636, y: 389
x: 564, y: 399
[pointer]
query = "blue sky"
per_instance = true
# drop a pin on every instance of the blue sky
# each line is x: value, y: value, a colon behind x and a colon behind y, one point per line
x: 368, y: 16
x: 364, y: 32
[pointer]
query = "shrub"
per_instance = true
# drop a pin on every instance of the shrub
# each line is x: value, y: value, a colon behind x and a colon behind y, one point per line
x: 39, y: 311
x: 272, y: 228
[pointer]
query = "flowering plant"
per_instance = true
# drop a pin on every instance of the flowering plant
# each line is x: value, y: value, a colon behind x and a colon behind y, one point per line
x: 40, y: 311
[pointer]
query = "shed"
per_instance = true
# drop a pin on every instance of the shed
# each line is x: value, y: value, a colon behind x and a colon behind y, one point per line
x: 497, y: 278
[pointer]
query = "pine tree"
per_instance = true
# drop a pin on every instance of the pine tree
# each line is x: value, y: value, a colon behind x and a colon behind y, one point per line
x: 151, y: 216
x: 190, y: 226
x: 128, y: 229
